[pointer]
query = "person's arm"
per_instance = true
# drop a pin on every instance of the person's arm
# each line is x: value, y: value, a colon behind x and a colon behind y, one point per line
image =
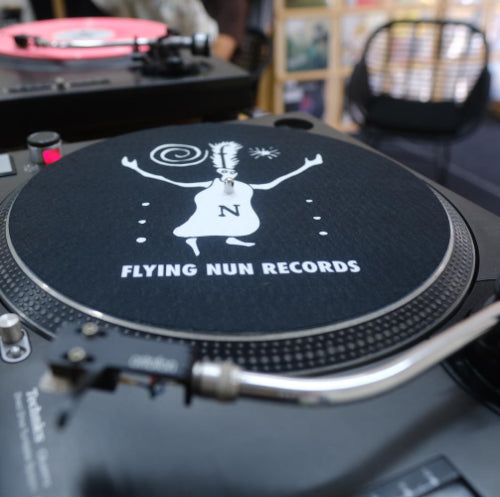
x: 224, y: 46
x: 231, y: 17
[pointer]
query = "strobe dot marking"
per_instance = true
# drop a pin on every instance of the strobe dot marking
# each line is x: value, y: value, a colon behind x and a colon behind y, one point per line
x: 317, y: 218
x: 141, y: 239
x: 146, y: 204
x: 323, y: 233
x: 309, y: 201
x: 142, y: 221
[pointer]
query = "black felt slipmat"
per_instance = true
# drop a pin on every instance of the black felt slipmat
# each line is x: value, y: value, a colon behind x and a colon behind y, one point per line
x: 319, y: 260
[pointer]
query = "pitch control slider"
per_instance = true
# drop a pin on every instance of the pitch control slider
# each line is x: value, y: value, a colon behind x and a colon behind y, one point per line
x: 226, y: 381
x: 199, y: 43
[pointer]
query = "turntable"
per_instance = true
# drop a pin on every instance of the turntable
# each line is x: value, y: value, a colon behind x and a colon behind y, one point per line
x: 95, y: 77
x: 276, y: 244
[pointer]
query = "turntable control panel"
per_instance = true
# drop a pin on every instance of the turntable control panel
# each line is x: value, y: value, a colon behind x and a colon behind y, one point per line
x: 57, y: 84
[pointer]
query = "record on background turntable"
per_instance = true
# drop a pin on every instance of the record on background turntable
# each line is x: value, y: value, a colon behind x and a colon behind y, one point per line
x: 105, y: 29
x: 283, y: 250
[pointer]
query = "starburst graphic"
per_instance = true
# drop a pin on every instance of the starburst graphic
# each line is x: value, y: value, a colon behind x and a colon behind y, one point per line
x: 258, y: 152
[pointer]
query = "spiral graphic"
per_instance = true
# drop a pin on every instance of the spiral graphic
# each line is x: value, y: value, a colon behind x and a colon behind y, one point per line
x: 178, y: 155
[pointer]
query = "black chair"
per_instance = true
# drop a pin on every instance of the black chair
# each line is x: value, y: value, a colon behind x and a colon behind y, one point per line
x: 425, y: 79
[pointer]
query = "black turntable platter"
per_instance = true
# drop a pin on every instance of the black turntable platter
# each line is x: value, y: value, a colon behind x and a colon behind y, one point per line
x: 283, y: 250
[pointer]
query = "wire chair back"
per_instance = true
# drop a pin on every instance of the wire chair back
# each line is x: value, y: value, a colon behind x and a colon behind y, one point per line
x: 425, y: 61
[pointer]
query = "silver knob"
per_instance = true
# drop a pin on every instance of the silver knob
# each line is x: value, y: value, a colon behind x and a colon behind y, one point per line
x: 10, y: 328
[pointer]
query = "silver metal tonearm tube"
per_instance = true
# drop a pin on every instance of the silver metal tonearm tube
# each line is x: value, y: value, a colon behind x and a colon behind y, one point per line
x: 41, y: 42
x: 226, y: 381
x: 199, y: 43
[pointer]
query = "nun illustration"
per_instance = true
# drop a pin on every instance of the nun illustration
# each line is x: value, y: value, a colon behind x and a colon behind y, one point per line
x: 224, y: 204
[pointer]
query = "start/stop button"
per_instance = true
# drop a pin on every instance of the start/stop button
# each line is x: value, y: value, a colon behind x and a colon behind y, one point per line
x: 44, y: 147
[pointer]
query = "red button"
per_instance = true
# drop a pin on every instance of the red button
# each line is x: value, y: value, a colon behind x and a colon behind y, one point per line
x: 51, y: 155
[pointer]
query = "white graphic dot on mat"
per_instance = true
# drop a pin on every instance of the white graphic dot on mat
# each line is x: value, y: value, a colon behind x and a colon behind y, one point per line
x: 323, y: 233
x: 141, y: 239
x: 142, y: 221
x: 145, y: 204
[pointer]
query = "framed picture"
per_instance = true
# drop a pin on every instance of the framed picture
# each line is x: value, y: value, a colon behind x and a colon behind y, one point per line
x: 364, y: 3
x: 466, y: 2
x: 307, y: 43
x: 293, y: 4
x: 471, y: 15
x: 494, y: 32
x: 305, y: 96
x: 355, y: 30
x: 425, y: 3
x: 495, y: 81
